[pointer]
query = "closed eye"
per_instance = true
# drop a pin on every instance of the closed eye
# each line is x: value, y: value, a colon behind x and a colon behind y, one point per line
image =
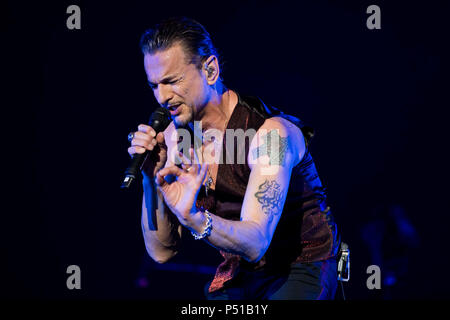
x: 153, y: 86
x: 170, y: 82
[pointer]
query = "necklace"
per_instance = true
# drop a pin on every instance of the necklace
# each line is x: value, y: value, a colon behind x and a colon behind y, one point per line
x: 209, y: 179
x: 208, y: 182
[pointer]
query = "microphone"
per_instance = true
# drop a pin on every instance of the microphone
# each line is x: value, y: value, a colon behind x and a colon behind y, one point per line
x: 159, y: 121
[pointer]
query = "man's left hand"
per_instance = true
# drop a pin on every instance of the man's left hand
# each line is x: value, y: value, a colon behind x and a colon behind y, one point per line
x: 181, y: 194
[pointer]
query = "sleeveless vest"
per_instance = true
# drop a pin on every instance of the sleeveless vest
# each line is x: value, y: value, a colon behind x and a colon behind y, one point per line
x: 306, y: 231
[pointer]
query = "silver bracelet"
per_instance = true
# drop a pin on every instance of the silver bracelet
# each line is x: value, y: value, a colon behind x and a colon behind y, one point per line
x: 207, y: 230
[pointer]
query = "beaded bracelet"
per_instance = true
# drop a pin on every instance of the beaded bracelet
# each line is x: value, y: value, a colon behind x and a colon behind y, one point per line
x: 207, y: 230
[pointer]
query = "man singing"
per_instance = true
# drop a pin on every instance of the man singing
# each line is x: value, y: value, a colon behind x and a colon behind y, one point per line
x: 267, y: 215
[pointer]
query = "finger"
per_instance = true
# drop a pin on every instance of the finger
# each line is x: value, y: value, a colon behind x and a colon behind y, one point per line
x: 147, y: 129
x: 195, y: 159
x: 143, y: 135
x: 160, y: 179
x: 160, y: 138
x: 193, y: 155
x: 149, y: 145
x: 202, y: 174
x: 184, y: 160
x: 132, y: 151
x: 191, y: 160
x: 170, y: 170
x: 135, y: 149
x: 144, y: 140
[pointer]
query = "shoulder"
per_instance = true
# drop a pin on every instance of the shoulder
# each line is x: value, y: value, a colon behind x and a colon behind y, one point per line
x: 281, y: 124
x: 288, y: 136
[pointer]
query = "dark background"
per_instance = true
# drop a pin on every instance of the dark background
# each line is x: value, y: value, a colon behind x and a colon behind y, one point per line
x: 69, y: 98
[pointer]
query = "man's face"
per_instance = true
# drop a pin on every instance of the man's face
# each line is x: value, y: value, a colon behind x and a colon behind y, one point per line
x: 178, y: 86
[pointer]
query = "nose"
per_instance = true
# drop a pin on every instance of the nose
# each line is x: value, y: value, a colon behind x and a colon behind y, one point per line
x: 163, y: 94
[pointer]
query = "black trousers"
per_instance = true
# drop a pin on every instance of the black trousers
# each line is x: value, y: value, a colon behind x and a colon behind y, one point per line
x: 304, y: 281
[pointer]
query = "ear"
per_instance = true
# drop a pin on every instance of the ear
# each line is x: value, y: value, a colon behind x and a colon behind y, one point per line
x: 211, y: 69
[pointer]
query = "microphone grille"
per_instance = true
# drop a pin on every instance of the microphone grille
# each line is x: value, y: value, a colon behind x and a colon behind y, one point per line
x: 160, y: 119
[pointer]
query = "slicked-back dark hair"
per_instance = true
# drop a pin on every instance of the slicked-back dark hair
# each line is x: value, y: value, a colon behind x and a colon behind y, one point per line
x: 194, y: 38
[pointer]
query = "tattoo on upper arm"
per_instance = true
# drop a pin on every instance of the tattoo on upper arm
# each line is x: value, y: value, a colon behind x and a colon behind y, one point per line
x: 270, y: 196
x: 274, y: 147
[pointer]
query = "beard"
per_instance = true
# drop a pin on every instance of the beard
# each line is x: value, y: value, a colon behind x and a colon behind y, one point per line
x: 184, y: 117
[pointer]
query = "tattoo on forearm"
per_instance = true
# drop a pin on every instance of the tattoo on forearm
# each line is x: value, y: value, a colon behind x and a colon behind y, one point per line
x: 269, y: 196
x: 274, y: 147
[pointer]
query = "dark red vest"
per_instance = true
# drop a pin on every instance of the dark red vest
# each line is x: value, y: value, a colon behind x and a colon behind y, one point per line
x: 306, y: 231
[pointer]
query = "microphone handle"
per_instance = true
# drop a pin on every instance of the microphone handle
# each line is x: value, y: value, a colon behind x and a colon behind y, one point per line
x: 159, y: 120
x: 132, y: 171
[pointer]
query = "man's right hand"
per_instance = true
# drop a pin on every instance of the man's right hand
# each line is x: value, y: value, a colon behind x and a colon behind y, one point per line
x: 146, y: 139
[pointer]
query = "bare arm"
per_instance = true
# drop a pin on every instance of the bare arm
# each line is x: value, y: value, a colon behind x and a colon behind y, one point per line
x: 160, y: 228
x: 265, y: 195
